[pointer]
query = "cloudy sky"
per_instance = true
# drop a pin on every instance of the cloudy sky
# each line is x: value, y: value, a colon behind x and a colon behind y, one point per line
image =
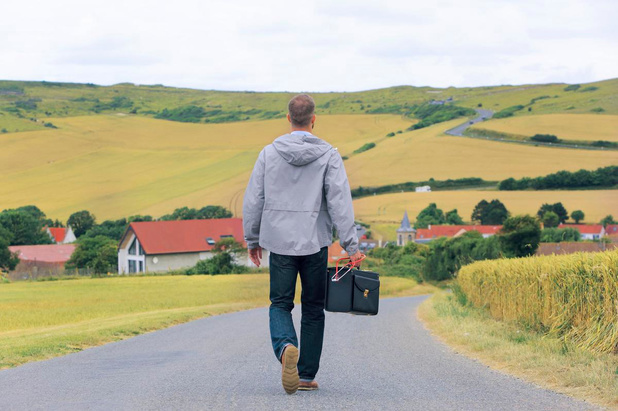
x: 311, y: 45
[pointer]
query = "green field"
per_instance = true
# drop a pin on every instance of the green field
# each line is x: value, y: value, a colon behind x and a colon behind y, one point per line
x: 41, y: 320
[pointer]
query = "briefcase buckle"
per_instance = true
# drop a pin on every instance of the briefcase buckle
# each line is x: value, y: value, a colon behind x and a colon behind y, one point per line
x: 366, y: 293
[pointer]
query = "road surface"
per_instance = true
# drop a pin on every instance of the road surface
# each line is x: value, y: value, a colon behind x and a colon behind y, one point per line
x: 482, y: 116
x: 387, y: 362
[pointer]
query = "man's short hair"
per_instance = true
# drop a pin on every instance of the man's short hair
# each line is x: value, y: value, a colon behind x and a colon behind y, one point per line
x: 301, y: 109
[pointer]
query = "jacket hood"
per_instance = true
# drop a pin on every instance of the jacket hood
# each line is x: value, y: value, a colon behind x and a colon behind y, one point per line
x: 300, y: 149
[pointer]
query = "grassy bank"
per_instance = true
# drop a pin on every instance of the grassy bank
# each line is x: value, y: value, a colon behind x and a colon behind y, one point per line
x: 544, y: 360
x: 40, y: 320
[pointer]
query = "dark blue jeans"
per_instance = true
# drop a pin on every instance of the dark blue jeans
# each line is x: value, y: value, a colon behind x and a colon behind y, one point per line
x: 283, y: 272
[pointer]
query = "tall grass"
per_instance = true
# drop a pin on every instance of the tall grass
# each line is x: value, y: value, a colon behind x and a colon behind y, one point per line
x: 574, y: 297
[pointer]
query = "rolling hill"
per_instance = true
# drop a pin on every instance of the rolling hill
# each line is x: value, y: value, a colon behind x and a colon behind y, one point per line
x: 67, y: 147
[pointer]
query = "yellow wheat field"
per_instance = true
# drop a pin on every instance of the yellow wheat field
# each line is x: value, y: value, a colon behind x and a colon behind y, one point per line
x: 117, y: 166
x: 572, y: 296
x: 585, y: 127
x: 384, y: 212
x: 426, y: 153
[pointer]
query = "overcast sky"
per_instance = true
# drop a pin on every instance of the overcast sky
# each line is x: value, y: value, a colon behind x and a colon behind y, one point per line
x: 320, y: 45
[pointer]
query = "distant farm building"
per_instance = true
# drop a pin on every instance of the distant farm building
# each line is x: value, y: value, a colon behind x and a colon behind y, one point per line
x: 423, y: 189
x: 588, y: 231
x: 159, y: 246
x: 40, y: 260
x: 61, y: 235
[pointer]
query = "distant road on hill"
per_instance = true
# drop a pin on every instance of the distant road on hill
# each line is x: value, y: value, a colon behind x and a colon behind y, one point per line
x: 483, y: 115
x: 387, y: 362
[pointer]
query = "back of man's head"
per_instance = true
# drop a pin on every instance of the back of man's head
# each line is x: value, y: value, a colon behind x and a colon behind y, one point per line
x: 301, y: 109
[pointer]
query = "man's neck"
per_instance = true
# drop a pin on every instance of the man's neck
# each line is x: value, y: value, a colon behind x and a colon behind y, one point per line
x: 304, y: 129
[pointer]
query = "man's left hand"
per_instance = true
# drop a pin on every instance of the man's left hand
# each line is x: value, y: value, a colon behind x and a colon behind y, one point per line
x: 255, y: 254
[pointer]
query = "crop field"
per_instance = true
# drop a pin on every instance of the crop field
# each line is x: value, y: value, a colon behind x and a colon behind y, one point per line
x: 384, y: 212
x: 587, y: 127
x: 427, y: 153
x: 117, y: 166
x: 87, y: 312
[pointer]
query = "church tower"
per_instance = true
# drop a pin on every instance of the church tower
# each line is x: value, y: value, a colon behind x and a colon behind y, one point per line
x: 405, y: 233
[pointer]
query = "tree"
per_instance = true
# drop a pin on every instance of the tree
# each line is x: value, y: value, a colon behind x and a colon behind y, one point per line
x: 109, y: 228
x: 229, y: 245
x: 578, y: 215
x: 81, y: 222
x: 520, y: 236
x: 97, y: 253
x: 25, y: 229
x: 557, y: 208
x: 429, y: 215
x: 214, y: 212
x: 494, y: 213
x: 478, y: 211
x: 550, y: 219
x: 607, y: 220
x: 453, y: 218
x: 208, y: 212
x: 220, y: 263
x: 8, y: 260
x: 557, y: 235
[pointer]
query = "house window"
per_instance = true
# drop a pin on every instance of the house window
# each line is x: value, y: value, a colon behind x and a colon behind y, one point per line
x: 227, y: 236
x: 409, y: 237
x: 132, y: 266
x: 210, y: 241
x: 140, y: 250
x: 400, y: 240
x: 141, y: 267
x: 133, y: 248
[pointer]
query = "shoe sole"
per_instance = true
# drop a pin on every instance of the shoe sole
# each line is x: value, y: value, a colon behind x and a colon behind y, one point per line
x: 307, y: 388
x: 289, y: 372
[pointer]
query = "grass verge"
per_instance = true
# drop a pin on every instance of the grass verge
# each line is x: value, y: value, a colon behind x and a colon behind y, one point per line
x: 544, y: 360
x: 41, y: 320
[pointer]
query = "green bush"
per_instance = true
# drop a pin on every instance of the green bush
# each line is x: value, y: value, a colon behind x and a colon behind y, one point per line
x: 589, y: 88
x: 365, y: 147
x: 185, y: 114
x: 220, y: 263
x: 545, y: 138
x: 572, y: 87
x: 508, y: 112
x: 557, y: 235
x: 598, y: 110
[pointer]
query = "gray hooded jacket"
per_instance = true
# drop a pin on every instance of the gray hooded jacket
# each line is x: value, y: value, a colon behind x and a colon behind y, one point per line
x: 297, y: 192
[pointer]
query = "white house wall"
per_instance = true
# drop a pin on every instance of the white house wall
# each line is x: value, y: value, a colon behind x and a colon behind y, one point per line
x: 170, y: 262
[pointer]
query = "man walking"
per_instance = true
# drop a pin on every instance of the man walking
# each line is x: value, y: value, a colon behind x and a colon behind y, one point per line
x: 298, y: 190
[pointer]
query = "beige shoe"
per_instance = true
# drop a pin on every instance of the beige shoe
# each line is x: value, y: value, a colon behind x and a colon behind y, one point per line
x: 289, y: 372
x: 308, y: 386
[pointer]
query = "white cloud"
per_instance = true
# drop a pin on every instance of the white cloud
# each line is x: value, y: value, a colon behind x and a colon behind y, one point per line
x: 316, y: 45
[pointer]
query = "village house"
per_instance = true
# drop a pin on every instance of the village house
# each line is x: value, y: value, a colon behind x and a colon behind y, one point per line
x: 40, y: 260
x: 423, y: 189
x: 159, y: 246
x: 611, y: 232
x: 61, y: 235
x: 589, y: 232
x: 405, y: 233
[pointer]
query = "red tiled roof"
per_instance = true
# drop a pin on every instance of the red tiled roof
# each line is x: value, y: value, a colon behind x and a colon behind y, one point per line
x: 185, y: 236
x: 58, y: 233
x: 611, y: 229
x: 451, y: 230
x: 52, y: 253
x: 584, y: 228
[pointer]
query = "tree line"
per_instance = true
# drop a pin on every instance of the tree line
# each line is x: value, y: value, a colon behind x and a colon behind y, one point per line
x: 601, y: 177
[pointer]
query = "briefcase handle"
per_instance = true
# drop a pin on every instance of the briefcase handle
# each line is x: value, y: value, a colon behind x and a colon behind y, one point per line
x: 337, y: 277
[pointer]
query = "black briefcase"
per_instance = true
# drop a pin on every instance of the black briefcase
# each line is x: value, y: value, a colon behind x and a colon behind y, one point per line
x: 349, y: 290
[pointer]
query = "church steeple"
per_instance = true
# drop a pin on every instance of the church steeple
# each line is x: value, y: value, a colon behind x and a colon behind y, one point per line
x: 405, y: 232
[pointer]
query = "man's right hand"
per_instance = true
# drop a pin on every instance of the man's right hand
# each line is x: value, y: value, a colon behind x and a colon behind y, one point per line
x: 255, y: 254
x: 356, y: 258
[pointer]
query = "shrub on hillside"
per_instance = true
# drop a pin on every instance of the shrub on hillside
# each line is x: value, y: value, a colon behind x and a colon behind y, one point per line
x: 601, y: 177
x: 545, y: 138
x: 185, y: 114
x: 365, y: 147
x: 509, y: 111
x: 572, y: 87
x: 589, y: 88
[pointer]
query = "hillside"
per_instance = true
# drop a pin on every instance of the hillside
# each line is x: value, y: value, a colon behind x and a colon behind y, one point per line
x: 101, y: 149
x: 30, y: 105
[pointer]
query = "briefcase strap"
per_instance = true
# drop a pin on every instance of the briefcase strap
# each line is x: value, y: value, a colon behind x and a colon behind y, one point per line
x: 349, y: 265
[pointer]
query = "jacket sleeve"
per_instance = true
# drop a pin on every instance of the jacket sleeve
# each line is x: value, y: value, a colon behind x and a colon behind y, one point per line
x: 253, y: 204
x: 339, y: 203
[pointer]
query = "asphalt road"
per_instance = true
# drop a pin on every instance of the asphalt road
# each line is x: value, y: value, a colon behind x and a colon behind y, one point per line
x: 482, y: 114
x: 388, y: 362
